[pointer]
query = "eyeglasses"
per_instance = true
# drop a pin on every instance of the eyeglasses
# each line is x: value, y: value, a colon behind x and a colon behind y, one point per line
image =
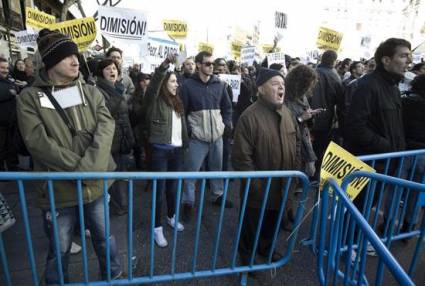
x: 208, y: 64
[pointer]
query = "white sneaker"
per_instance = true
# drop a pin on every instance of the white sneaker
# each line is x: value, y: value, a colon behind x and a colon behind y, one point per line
x: 75, y: 248
x: 172, y: 223
x: 159, y: 237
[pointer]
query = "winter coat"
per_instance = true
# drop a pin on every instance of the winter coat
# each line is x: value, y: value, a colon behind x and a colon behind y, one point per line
x: 54, y: 149
x: 123, y: 141
x: 374, y: 122
x: 414, y: 120
x: 327, y: 94
x: 8, y: 93
x: 207, y: 106
x: 160, y: 114
x: 265, y: 139
x: 297, y: 108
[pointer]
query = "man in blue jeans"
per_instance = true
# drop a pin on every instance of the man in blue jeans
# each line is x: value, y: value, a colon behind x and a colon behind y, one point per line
x: 209, y: 116
x: 76, y: 137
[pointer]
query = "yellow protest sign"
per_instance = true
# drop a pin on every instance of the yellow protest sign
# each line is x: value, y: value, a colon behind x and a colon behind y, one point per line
x: 338, y: 163
x: 206, y: 47
x: 329, y: 39
x: 81, y: 31
x: 267, y: 49
x: 236, y: 47
x: 37, y: 19
x: 175, y: 28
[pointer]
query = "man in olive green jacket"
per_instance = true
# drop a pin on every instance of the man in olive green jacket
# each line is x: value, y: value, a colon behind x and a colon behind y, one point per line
x: 83, y: 145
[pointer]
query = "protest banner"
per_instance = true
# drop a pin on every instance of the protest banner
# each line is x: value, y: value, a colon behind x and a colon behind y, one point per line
x: 27, y: 38
x: 277, y: 58
x: 267, y: 48
x: 338, y: 163
x: 206, y: 47
x: 329, y: 39
x: 158, y: 49
x: 248, y: 55
x: 81, y: 31
x: 234, y: 81
x: 281, y: 20
x: 37, y: 19
x: 175, y: 28
x: 123, y: 26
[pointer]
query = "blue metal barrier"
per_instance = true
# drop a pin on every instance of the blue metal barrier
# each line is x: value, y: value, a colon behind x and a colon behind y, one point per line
x: 341, y: 258
x: 289, y: 179
x: 407, y: 164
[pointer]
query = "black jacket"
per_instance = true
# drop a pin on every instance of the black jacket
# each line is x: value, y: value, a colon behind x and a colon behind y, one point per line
x: 374, y: 121
x: 414, y: 120
x: 327, y: 94
x: 123, y: 140
x: 8, y: 92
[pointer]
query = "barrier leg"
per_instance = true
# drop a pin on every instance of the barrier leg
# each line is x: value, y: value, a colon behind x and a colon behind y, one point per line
x: 6, y: 272
x: 244, y: 279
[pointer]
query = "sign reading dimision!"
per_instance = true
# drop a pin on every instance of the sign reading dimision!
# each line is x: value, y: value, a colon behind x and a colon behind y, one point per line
x: 338, y: 163
x: 329, y: 39
x: 175, y: 28
x: 123, y: 24
x: 37, y: 19
x: 81, y: 31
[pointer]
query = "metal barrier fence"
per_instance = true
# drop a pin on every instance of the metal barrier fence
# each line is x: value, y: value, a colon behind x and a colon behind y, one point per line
x: 408, y: 165
x: 289, y: 179
x: 345, y: 236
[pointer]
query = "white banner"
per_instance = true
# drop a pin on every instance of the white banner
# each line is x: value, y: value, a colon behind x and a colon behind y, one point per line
x: 234, y: 80
x: 27, y: 38
x: 125, y: 26
x: 158, y: 49
x: 276, y: 58
x: 248, y: 55
x: 281, y: 20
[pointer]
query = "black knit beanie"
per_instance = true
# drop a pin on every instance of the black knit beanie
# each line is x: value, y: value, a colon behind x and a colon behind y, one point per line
x: 266, y: 74
x: 54, y: 47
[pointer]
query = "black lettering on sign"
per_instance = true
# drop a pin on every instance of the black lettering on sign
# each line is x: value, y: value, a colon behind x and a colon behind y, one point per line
x: 280, y: 20
x: 175, y: 27
x: 329, y: 37
x: 123, y: 26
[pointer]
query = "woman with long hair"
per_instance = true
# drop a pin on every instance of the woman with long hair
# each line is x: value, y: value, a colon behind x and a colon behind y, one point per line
x: 167, y: 134
x: 299, y: 84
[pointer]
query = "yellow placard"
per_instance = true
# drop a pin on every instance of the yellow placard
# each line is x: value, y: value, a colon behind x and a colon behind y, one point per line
x: 329, y: 39
x: 81, y: 31
x: 267, y: 49
x: 175, y: 28
x: 206, y: 47
x: 37, y: 19
x: 338, y: 163
x: 236, y: 47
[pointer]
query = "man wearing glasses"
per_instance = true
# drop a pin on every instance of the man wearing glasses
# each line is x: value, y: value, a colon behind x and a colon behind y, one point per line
x: 209, y: 115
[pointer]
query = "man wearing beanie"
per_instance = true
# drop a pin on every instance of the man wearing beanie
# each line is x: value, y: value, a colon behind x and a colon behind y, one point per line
x: 266, y: 138
x: 77, y: 140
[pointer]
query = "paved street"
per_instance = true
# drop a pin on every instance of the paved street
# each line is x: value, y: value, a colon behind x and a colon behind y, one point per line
x: 301, y: 270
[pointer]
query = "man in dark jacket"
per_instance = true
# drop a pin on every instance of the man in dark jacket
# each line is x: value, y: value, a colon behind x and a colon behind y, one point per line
x: 188, y: 69
x: 374, y: 121
x: 209, y: 115
x: 266, y: 138
x: 8, y: 127
x: 327, y: 95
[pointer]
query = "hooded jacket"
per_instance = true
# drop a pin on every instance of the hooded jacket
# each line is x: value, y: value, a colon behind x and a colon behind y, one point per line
x: 54, y: 149
x: 207, y: 107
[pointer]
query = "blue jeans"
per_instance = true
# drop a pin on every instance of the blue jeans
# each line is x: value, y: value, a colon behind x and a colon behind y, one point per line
x: 66, y: 218
x: 198, y: 152
x: 164, y: 160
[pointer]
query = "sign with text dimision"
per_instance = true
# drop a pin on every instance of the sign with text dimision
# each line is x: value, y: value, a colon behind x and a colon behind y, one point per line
x: 37, y: 19
x: 338, y: 163
x: 329, y: 39
x: 175, y: 28
x: 81, y: 31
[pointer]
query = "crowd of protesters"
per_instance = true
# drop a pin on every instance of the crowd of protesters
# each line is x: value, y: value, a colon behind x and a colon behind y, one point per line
x: 185, y: 120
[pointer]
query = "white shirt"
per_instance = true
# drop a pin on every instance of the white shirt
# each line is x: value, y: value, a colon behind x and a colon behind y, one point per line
x: 176, y: 130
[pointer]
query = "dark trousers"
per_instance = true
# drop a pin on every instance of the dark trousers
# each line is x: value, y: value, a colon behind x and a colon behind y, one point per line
x: 249, y: 229
x: 166, y: 161
x: 320, y: 143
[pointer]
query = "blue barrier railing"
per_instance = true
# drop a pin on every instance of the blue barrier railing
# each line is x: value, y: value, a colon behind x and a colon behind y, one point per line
x: 408, y: 165
x: 341, y: 258
x: 288, y: 179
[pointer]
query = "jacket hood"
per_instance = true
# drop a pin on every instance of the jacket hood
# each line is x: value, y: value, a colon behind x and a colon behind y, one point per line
x: 42, y: 80
x: 213, y: 78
